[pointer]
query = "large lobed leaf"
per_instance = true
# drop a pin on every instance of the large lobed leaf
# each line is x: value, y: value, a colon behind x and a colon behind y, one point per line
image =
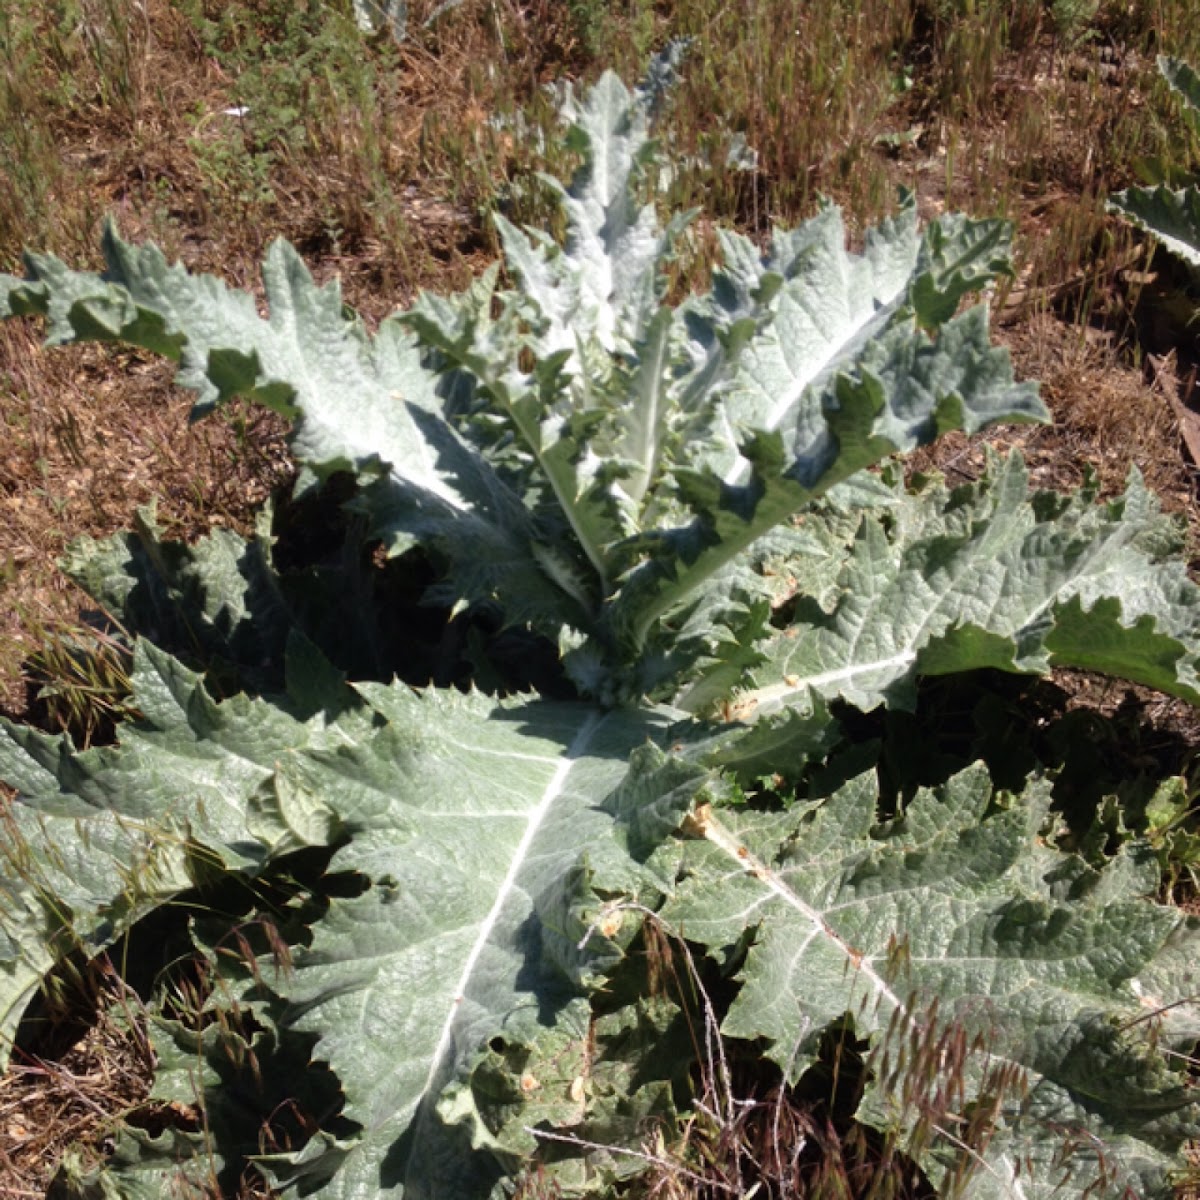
x: 989, y: 972
x: 479, y: 828
x: 102, y: 837
x: 988, y: 576
x: 475, y: 828
x: 1171, y: 214
x: 369, y: 407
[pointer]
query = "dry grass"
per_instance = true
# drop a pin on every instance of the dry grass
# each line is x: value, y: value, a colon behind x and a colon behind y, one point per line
x: 83, y: 449
x: 750, y: 1133
x: 69, y: 1102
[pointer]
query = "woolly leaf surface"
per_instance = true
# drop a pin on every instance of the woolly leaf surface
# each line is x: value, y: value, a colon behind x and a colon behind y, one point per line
x: 963, y: 948
x: 989, y: 576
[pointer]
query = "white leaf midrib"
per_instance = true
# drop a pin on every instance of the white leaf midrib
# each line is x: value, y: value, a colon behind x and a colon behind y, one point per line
x: 862, y: 964
x: 537, y: 817
x: 836, y: 342
x: 729, y: 845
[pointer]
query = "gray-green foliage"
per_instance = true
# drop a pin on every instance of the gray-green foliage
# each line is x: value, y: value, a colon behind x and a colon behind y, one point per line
x: 671, y: 503
x: 1171, y: 214
x: 956, y: 890
x: 372, y: 16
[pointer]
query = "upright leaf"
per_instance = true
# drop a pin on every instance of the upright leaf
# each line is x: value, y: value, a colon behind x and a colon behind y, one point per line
x: 367, y: 408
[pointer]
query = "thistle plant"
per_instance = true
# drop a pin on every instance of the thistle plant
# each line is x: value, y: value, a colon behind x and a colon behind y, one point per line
x: 692, y: 517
